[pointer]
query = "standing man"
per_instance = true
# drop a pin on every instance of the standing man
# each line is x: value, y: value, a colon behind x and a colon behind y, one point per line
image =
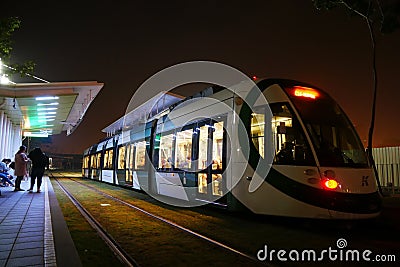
x: 39, y: 162
x: 21, y: 160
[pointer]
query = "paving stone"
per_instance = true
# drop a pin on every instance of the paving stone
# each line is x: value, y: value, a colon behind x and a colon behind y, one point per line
x: 27, y: 245
x: 26, y: 261
x: 7, y: 241
x: 27, y: 252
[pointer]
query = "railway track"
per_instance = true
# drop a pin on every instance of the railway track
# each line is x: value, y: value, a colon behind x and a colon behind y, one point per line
x: 122, y: 255
x: 114, y: 245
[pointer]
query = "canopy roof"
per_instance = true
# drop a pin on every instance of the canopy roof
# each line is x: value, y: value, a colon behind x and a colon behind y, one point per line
x: 48, y: 108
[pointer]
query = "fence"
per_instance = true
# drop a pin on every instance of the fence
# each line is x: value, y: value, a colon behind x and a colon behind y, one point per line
x: 387, y: 162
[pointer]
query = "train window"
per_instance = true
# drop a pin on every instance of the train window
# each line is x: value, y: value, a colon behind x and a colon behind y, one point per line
x: 183, y: 149
x: 86, y: 162
x: 202, y: 183
x: 218, y: 137
x: 334, y: 137
x: 291, y: 147
x: 257, y: 131
x: 129, y: 156
x: 129, y: 163
x: 284, y: 134
x: 121, y: 157
x: 93, y: 161
x: 203, y: 147
x: 108, y: 157
x: 140, y: 156
x: 105, y: 163
x: 165, y: 151
x: 217, y: 185
x: 98, y: 158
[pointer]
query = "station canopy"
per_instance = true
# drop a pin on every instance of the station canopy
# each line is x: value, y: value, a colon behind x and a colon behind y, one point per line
x: 43, y: 109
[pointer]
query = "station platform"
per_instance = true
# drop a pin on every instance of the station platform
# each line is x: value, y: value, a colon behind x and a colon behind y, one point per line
x: 33, y: 231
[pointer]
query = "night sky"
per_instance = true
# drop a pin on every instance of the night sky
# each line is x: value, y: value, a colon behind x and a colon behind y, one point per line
x: 122, y: 43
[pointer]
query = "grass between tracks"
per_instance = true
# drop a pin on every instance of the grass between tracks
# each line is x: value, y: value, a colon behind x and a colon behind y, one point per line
x: 149, y: 241
x: 91, y: 248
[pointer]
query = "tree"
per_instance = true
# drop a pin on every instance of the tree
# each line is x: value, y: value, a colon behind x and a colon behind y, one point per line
x: 382, y: 14
x: 7, y: 27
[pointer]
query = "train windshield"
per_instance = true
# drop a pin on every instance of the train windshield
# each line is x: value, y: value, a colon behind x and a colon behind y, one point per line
x: 334, y: 138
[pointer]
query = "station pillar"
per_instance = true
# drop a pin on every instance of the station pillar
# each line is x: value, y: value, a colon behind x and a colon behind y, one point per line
x: 10, y: 137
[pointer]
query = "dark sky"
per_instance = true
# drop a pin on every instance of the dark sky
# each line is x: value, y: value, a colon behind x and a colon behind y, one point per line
x: 122, y: 43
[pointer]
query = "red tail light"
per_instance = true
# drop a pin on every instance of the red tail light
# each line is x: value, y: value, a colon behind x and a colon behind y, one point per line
x: 330, y: 184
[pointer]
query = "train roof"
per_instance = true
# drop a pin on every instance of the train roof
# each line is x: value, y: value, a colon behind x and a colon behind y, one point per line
x: 142, y: 113
x: 167, y: 101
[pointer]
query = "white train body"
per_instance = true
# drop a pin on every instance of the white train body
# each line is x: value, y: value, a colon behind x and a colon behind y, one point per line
x: 295, y: 155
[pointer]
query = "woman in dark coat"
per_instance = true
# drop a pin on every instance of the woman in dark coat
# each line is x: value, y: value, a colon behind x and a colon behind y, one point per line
x: 39, y: 162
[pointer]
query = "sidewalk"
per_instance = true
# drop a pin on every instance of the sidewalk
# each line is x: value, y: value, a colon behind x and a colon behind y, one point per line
x: 33, y: 231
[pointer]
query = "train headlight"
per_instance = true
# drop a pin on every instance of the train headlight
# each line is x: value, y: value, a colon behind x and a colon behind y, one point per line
x: 330, y: 184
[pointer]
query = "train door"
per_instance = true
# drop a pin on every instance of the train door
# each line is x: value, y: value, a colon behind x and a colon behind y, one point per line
x: 211, y: 183
x: 129, y: 149
x: 85, y: 166
x: 140, y: 171
x: 95, y: 166
x: 121, y: 166
x: 173, y: 160
x: 108, y: 165
x: 131, y: 177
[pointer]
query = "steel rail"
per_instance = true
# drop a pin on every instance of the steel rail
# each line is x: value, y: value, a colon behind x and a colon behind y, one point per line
x: 123, y: 256
x: 182, y: 228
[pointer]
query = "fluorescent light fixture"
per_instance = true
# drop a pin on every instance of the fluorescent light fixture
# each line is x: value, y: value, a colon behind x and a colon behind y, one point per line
x: 40, y: 109
x: 45, y: 120
x: 46, y: 98
x: 48, y: 104
x: 31, y: 134
x: 47, y: 113
x: 47, y: 117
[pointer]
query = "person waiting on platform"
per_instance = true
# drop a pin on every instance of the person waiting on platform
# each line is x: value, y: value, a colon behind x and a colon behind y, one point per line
x: 39, y: 162
x: 10, y: 171
x: 4, y: 175
x: 21, y: 161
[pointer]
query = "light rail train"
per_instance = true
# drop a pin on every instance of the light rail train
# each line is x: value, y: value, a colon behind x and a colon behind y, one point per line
x: 318, y: 167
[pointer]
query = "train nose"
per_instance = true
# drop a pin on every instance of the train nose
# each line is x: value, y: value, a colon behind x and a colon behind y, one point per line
x: 328, y: 181
x: 358, y: 181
